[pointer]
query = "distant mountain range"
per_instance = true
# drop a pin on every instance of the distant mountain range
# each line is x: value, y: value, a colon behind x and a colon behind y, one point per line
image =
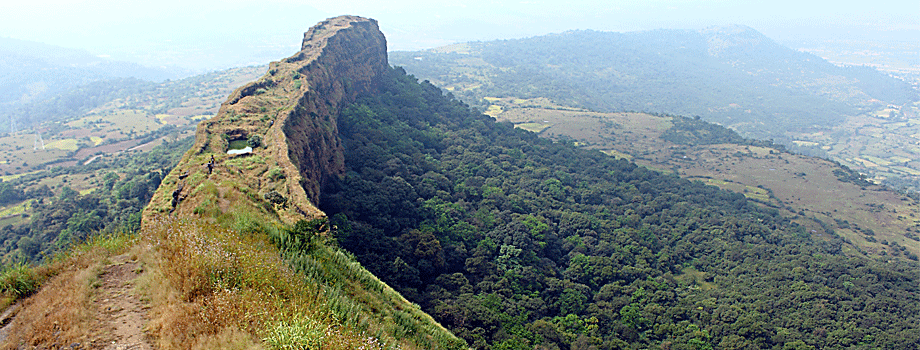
x: 31, y: 71
x: 731, y: 75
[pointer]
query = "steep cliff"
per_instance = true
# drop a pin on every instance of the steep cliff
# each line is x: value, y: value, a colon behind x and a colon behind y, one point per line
x: 288, y: 119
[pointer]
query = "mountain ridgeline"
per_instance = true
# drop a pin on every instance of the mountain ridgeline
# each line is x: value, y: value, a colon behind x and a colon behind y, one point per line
x: 31, y: 73
x: 731, y: 75
x: 288, y: 117
x: 516, y: 242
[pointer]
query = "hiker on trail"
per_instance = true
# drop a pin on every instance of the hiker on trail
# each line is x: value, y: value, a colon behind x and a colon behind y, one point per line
x: 175, y: 195
x: 211, y: 165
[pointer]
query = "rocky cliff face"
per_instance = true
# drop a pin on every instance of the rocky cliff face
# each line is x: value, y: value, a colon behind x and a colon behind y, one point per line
x: 288, y: 117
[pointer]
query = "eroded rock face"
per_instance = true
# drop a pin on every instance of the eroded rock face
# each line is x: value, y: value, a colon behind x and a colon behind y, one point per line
x: 290, y: 116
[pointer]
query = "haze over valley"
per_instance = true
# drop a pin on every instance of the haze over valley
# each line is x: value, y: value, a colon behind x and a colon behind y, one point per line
x: 511, y: 175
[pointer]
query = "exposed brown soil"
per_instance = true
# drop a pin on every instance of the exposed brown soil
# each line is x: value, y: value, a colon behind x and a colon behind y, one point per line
x: 120, y: 308
x: 110, y: 316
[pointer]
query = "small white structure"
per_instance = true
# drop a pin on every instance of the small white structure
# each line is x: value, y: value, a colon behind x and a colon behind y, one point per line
x: 240, y: 151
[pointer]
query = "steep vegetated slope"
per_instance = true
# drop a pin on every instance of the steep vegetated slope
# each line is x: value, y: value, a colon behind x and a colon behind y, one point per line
x: 513, y: 241
x: 815, y: 192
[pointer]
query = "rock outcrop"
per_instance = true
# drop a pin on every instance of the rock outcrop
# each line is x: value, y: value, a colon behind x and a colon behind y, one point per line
x: 288, y: 117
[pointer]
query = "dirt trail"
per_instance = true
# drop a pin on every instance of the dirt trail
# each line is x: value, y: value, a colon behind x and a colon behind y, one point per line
x: 6, y: 320
x: 118, y: 315
x: 119, y: 306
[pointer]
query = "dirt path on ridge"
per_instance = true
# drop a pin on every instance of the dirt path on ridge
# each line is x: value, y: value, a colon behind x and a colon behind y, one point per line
x: 120, y: 308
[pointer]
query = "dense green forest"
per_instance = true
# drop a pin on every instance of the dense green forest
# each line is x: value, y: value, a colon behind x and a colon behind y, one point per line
x: 59, y: 217
x: 732, y: 76
x: 517, y: 242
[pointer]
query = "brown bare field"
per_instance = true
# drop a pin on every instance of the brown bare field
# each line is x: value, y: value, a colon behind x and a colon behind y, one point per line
x: 105, y: 149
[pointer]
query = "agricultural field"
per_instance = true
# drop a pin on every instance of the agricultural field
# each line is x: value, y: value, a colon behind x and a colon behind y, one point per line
x: 872, y: 217
x: 24, y: 152
x: 134, y: 123
x: 65, y: 144
x: 75, y: 153
x: 884, y: 144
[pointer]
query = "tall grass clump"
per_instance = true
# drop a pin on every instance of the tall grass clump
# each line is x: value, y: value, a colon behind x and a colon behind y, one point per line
x: 16, y: 281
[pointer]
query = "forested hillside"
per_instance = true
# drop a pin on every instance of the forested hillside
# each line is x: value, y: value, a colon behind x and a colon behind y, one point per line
x: 733, y: 76
x: 55, y: 216
x: 513, y: 241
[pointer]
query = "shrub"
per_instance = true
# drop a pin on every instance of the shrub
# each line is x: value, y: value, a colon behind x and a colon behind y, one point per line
x: 18, y: 280
x: 276, y: 174
x: 255, y: 141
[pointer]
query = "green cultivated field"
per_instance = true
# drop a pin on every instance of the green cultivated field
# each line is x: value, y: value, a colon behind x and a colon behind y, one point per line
x: 884, y: 144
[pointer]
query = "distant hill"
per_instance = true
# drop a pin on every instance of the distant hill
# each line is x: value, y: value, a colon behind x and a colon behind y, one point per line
x: 734, y: 76
x: 30, y: 71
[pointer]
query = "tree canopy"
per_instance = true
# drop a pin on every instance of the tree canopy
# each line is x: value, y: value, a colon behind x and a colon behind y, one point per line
x: 517, y: 242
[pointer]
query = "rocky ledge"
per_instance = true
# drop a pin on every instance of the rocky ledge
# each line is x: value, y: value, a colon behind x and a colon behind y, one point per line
x: 288, y: 119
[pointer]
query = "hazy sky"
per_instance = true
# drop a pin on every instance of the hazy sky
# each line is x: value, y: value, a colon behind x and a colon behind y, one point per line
x: 212, y: 34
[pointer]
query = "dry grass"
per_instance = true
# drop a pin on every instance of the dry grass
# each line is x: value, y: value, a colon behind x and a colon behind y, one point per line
x: 215, y: 288
x: 212, y: 287
x: 62, y: 311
